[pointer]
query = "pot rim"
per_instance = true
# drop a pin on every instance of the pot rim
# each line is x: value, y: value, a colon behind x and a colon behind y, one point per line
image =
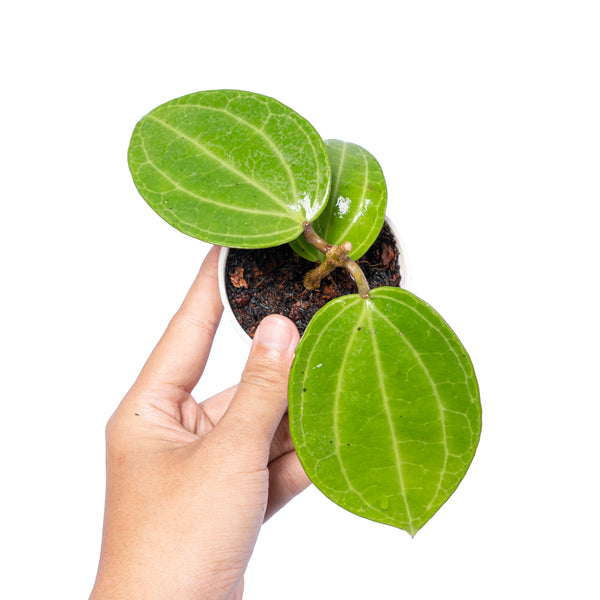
x: 224, y: 252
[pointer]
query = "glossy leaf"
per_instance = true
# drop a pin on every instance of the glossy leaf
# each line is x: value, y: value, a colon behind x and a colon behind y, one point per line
x: 230, y: 167
x: 384, y: 407
x: 356, y: 207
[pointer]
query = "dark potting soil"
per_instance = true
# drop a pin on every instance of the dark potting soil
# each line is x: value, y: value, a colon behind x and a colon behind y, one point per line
x: 266, y: 281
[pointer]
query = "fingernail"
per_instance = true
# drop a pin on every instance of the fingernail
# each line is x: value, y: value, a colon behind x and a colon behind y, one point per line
x: 276, y: 332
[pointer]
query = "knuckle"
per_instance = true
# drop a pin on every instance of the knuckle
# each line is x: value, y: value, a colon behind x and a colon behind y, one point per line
x: 116, y: 434
x: 110, y: 430
x: 184, y: 319
x: 282, y: 440
x: 265, y: 375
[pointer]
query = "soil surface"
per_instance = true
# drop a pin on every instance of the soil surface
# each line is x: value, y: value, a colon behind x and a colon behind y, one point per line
x: 266, y: 281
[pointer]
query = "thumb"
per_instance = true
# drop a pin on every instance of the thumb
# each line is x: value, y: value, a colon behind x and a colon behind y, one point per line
x: 261, y: 397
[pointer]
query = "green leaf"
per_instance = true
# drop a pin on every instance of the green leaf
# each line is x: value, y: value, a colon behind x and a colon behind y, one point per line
x: 229, y: 167
x: 356, y: 207
x: 384, y: 407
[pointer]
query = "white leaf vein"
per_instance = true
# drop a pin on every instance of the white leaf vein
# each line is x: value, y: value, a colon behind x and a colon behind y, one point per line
x: 226, y: 165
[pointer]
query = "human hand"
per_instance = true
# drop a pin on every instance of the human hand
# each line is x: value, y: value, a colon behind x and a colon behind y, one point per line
x: 189, y: 485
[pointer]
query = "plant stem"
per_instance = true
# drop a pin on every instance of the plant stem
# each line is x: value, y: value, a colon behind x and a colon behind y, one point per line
x: 314, y: 239
x: 335, y: 256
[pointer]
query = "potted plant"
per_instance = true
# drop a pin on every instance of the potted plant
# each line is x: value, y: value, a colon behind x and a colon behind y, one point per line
x: 383, y: 400
x: 257, y: 282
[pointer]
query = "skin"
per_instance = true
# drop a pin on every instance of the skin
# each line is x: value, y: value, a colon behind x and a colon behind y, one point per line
x: 189, y: 485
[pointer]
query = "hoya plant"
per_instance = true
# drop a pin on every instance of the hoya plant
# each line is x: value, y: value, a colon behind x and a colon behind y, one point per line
x: 383, y: 400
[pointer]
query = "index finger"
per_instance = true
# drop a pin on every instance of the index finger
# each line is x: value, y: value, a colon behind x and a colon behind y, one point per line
x: 181, y: 354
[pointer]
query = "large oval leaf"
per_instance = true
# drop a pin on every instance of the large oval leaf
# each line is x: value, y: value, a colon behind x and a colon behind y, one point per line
x: 229, y: 167
x: 384, y: 407
x: 356, y: 207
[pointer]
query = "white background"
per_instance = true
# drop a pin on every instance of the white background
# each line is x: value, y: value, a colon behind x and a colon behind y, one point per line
x: 486, y: 119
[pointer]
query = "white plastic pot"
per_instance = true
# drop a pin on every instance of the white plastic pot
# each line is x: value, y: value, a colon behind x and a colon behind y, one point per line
x: 223, y: 290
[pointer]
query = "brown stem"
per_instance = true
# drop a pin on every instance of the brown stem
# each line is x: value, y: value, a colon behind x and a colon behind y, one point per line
x: 314, y: 239
x: 335, y: 256
x: 359, y: 277
x: 312, y: 280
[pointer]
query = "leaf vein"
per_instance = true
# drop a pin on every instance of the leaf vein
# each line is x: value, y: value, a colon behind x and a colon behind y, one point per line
x: 225, y: 164
x: 436, y: 394
x: 335, y: 424
x: 390, y: 421
x: 259, y: 131
x: 183, y: 189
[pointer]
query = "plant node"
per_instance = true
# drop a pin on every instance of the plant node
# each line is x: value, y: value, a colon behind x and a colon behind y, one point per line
x: 335, y: 256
